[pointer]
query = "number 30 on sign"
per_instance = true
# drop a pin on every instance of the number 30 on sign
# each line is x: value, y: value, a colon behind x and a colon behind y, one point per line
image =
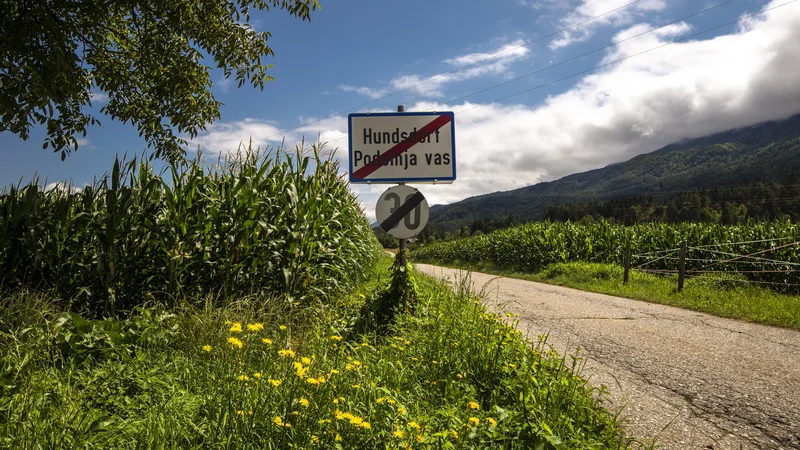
x: 402, y: 211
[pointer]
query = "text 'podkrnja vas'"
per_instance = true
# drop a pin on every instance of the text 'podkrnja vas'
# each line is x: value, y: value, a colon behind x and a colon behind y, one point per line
x: 404, y: 159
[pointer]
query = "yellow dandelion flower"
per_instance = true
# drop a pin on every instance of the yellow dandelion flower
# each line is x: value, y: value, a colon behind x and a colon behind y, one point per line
x: 299, y: 369
x: 312, y: 380
x: 459, y: 376
x: 314, y: 438
x: 337, y: 438
x: 398, y: 434
x: 380, y: 400
x: 321, y: 380
x: 282, y: 327
x: 266, y: 341
x: 491, y: 421
x: 257, y: 375
x: 390, y: 401
x: 206, y: 348
x: 278, y: 421
x: 275, y: 383
x: 401, y: 411
x: 240, y: 412
x: 356, y: 386
x: 474, y: 421
x: 420, y: 437
x: 473, y: 405
x: 343, y: 415
x: 305, y: 360
x: 414, y: 425
x: 255, y: 326
x: 336, y: 338
x: 244, y: 378
x: 228, y: 322
x: 365, y: 425
x: 355, y: 420
x: 303, y: 402
x: 235, y: 343
x: 236, y: 327
x: 334, y: 371
x: 286, y: 353
x: 453, y: 435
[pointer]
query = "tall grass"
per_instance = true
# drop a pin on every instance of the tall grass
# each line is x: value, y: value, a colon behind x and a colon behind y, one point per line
x: 534, y: 246
x: 278, y: 223
x: 241, y: 377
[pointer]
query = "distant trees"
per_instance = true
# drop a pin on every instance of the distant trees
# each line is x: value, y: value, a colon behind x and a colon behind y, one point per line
x: 724, y: 205
x: 385, y: 239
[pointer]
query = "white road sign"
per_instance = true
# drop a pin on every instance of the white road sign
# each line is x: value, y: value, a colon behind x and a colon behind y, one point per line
x: 402, y: 211
x: 402, y: 147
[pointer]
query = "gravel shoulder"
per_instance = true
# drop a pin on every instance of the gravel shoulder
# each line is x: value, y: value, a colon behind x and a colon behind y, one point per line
x: 689, y: 379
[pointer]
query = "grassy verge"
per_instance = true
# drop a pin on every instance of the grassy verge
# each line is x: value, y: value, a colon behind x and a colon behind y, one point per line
x: 262, y: 373
x: 726, y: 297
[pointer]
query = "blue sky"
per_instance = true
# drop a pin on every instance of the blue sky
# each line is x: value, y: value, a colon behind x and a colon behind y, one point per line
x: 439, y: 52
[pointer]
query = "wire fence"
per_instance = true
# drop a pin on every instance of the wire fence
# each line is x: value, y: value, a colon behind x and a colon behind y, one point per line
x: 773, y: 263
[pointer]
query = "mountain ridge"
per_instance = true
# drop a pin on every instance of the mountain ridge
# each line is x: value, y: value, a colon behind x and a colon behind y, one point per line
x: 766, y: 151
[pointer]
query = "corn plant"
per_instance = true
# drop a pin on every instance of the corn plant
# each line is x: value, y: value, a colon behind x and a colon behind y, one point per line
x: 275, y: 222
x: 532, y: 247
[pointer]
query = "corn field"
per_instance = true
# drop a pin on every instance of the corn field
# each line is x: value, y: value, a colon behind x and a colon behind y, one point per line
x: 531, y: 247
x: 279, y: 223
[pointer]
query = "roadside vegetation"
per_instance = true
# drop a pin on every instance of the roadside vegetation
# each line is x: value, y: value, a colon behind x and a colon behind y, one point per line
x: 254, y: 223
x: 590, y: 257
x: 245, y: 306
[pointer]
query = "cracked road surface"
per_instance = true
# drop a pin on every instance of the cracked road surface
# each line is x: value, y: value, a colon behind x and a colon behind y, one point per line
x: 688, y: 379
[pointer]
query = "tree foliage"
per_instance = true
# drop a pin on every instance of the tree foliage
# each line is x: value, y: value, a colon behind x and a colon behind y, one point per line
x: 152, y: 59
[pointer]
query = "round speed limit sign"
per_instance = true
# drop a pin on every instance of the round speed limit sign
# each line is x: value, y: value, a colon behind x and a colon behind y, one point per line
x: 402, y: 211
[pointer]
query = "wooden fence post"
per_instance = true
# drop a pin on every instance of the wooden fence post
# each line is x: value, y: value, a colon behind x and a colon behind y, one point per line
x: 627, y: 262
x: 682, y: 266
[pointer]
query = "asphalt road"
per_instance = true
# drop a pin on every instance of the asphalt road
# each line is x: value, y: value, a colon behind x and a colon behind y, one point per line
x: 688, y: 379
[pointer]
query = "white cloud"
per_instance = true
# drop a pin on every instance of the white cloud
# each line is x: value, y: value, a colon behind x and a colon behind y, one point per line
x: 587, y: 10
x: 684, y: 90
x: 681, y: 91
x: 63, y: 187
x: 231, y: 137
x: 514, y: 50
x: 84, y: 143
x: 224, y: 84
x: 468, y: 66
x: 98, y: 96
x: 369, y: 92
x: 227, y: 137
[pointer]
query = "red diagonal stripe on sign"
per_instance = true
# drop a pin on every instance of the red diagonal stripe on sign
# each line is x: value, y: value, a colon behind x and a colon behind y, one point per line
x: 400, y: 148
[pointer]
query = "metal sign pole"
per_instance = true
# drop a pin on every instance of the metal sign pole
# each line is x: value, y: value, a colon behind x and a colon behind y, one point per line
x: 402, y: 250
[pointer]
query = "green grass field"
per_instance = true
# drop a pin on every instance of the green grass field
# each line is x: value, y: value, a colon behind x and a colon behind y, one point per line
x: 261, y: 374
